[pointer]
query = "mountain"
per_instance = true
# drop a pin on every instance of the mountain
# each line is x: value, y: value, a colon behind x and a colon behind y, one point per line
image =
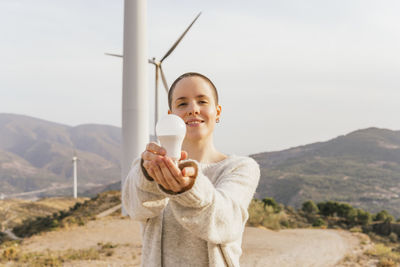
x: 37, y: 154
x: 361, y: 168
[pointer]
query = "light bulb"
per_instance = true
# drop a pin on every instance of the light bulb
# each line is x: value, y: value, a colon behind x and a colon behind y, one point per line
x: 171, y: 131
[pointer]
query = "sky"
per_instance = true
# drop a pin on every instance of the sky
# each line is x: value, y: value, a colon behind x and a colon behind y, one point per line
x: 288, y: 73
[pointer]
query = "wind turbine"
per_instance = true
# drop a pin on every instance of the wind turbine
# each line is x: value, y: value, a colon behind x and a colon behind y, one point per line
x: 158, y: 69
x: 75, y: 163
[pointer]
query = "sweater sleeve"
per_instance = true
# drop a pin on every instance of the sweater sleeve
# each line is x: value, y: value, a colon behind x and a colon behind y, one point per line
x: 218, y: 213
x: 140, y: 196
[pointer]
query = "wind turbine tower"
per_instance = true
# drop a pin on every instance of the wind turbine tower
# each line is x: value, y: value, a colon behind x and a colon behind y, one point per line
x: 135, y: 112
x: 75, y: 163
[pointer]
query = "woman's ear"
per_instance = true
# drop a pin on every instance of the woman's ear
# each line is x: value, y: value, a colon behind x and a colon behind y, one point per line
x: 169, y: 111
x: 219, y: 109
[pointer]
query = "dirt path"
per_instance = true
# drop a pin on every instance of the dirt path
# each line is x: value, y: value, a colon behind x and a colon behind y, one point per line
x: 298, y: 247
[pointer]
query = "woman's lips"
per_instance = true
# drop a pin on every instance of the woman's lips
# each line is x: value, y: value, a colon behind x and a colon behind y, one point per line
x: 194, y: 123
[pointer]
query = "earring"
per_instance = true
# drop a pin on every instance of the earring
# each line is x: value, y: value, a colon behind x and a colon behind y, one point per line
x: 217, y: 120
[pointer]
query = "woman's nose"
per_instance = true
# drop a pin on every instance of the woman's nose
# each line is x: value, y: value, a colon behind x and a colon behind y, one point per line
x: 194, y: 109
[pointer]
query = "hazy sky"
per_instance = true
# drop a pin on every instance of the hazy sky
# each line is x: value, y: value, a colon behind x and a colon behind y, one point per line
x: 288, y: 73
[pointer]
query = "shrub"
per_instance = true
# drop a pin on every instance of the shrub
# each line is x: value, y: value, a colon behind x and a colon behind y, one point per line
x: 271, y: 220
x: 261, y: 215
x: 271, y: 202
x: 383, y: 215
x: 319, y: 222
x: 379, y: 250
x: 343, y: 210
x: 82, y: 254
x: 309, y: 207
x: 352, y: 217
x: 363, y: 217
x: 393, y: 237
x: 256, y: 213
x: 327, y: 208
x: 10, y: 253
x: 386, y: 262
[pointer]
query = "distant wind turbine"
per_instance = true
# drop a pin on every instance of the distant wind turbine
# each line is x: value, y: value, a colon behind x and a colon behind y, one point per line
x: 75, y: 163
x: 159, y: 70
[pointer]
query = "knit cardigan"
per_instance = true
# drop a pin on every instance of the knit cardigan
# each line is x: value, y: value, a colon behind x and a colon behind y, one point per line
x: 213, y: 212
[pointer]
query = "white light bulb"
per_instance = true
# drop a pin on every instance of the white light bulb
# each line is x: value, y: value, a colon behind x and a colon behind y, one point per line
x: 171, y: 131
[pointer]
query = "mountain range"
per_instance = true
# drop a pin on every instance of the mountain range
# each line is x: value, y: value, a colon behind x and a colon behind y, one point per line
x: 37, y: 154
x: 361, y: 168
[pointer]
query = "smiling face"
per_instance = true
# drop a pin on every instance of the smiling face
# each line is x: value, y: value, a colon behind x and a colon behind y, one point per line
x: 193, y: 100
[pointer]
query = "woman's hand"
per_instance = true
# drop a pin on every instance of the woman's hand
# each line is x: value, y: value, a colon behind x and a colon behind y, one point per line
x: 153, y: 154
x: 175, y: 179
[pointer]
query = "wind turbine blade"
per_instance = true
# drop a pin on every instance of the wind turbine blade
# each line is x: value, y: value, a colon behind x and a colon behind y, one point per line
x: 180, y: 38
x: 164, y: 80
x: 114, y: 55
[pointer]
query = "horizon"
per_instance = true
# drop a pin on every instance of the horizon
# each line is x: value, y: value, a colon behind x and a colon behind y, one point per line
x: 260, y: 152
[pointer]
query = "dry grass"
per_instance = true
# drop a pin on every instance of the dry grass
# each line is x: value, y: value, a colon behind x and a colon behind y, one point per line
x: 13, y: 254
x: 385, y: 255
x: 266, y: 216
x: 15, y: 211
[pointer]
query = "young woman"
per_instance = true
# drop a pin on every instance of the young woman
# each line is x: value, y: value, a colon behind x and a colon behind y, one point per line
x: 193, y: 215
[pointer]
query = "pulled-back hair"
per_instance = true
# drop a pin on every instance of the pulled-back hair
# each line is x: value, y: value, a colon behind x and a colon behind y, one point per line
x: 191, y: 74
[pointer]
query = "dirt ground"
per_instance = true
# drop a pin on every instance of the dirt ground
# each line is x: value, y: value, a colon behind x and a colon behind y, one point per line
x: 261, y: 247
x: 296, y: 247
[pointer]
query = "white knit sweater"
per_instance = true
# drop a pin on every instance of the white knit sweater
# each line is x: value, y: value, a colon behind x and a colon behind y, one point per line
x: 200, y: 227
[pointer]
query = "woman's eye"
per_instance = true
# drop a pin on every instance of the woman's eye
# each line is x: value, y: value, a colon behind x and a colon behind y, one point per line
x: 181, y: 104
x: 203, y: 102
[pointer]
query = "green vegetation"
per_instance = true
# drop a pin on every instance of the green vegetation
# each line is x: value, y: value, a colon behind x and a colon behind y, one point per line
x: 330, y: 214
x: 14, y: 211
x: 272, y: 203
x: 309, y: 207
x: 79, y: 214
x: 383, y: 216
x: 273, y: 216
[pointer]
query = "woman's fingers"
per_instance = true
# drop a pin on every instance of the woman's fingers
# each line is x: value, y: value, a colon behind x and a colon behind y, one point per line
x: 147, y: 155
x: 175, y: 174
x: 152, y: 153
x: 184, y: 155
x: 169, y: 178
x: 185, y: 177
x: 156, y: 149
x: 175, y: 171
x: 159, y: 177
x: 165, y: 172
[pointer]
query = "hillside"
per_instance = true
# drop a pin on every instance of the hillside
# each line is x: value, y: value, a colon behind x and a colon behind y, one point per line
x: 36, y: 154
x: 14, y: 211
x: 361, y: 168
